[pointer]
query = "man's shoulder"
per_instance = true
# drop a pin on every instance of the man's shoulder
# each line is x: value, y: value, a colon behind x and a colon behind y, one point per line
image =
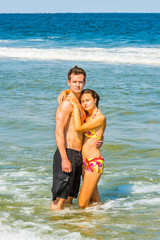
x: 65, y: 106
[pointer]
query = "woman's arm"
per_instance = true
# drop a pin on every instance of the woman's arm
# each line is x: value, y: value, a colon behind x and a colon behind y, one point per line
x: 93, y: 123
x: 63, y: 95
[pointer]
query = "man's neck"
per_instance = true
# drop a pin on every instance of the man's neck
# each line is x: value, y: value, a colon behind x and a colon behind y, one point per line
x: 75, y: 96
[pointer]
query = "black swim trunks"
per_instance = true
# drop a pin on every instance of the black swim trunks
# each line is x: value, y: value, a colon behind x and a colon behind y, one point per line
x: 66, y: 184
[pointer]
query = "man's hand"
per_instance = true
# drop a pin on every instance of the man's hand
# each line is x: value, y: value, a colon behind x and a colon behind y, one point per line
x: 99, y: 143
x: 66, y: 166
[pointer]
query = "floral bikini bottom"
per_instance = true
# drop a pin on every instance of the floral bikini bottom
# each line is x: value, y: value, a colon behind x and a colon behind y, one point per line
x: 93, y: 164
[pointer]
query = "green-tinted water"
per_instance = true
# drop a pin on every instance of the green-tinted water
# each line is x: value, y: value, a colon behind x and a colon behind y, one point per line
x: 130, y: 185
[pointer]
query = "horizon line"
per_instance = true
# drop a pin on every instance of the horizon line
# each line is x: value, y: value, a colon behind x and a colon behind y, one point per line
x: 75, y: 12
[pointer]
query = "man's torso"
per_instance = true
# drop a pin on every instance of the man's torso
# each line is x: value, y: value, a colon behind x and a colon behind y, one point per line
x: 73, y: 139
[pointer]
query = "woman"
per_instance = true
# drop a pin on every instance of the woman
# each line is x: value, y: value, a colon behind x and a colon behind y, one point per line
x: 93, y: 129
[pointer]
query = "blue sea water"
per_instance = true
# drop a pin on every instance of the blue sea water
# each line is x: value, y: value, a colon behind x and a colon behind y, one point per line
x: 121, y: 55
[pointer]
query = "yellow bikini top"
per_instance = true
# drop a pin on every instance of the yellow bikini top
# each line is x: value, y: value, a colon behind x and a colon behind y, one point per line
x: 92, y: 132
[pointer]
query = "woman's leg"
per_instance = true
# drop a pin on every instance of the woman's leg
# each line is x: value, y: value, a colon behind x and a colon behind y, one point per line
x: 95, y: 196
x: 89, y: 185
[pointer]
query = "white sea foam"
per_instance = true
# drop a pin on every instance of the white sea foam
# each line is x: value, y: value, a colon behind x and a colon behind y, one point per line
x: 145, y: 188
x: 21, y: 173
x: 140, y: 203
x: 107, y: 205
x: 146, y: 56
x: 7, y: 233
x: 6, y: 41
x: 36, y: 40
x: 3, y: 186
x: 152, y: 201
x: 16, y: 148
x: 100, y: 207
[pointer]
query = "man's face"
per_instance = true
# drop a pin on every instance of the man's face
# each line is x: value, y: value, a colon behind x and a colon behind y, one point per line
x: 76, y: 83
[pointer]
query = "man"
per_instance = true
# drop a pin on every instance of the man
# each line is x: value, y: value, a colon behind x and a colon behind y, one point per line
x: 67, y: 163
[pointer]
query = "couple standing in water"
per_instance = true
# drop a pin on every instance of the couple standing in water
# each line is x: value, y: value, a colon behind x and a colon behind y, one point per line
x: 80, y: 126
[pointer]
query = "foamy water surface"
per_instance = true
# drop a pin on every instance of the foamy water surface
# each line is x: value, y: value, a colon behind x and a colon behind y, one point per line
x: 142, y: 56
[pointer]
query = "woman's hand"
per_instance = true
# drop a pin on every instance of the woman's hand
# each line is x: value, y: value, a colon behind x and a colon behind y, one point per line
x: 63, y: 95
x: 73, y: 102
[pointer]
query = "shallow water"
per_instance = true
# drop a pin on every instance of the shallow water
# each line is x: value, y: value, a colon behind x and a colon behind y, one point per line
x: 129, y: 187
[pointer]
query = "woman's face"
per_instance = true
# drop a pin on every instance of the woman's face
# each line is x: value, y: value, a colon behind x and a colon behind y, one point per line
x: 88, y: 102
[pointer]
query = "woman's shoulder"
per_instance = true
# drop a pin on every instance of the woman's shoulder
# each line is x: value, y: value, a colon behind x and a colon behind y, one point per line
x: 101, y: 115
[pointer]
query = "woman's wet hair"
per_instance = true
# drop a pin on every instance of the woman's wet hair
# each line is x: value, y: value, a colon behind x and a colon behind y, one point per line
x: 94, y: 95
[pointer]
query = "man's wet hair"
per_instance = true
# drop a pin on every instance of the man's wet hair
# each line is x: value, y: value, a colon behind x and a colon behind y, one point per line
x: 76, y: 70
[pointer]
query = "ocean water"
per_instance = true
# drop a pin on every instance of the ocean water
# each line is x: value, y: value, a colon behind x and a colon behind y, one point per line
x: 121, y: 55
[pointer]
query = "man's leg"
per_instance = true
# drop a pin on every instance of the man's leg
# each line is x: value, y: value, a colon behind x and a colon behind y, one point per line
x: 57, y: 204
x: 68, y: 200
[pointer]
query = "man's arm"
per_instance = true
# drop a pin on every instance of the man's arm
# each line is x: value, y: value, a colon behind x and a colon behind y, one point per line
x: 99, y: 143
x: 64, y: 111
